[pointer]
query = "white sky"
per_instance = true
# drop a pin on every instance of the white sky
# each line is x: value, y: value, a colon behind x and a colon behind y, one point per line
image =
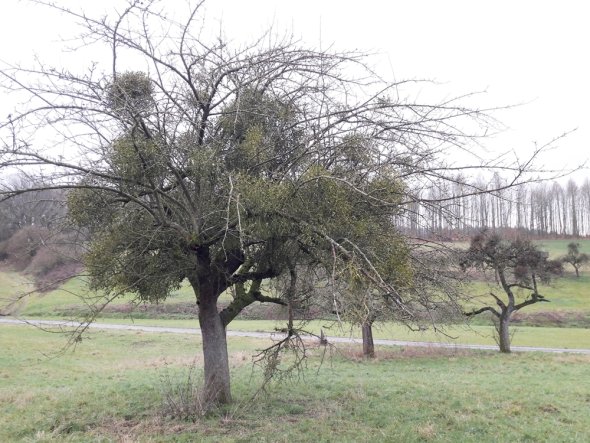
x: 533, y: 52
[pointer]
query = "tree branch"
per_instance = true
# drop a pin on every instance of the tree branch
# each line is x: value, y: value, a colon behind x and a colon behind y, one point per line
x: 243, y: 299
x: 480, y: 310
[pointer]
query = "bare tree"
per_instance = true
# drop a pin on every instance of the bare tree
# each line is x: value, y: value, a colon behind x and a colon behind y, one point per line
x: 516, y: 265
x: 574, y: 257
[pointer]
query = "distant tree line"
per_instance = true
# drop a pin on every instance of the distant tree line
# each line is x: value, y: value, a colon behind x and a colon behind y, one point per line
x: 43, y: 208
x: 444, y: 209
x: 457, y: 210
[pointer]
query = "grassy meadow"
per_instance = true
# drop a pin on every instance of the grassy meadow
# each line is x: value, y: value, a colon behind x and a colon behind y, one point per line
x: 112, y: 385
x: 569, y: 297
x: 557, y: 248
x: 564, y: 322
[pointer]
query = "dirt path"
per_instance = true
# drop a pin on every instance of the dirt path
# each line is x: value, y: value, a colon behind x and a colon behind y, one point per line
x: 164, y: 329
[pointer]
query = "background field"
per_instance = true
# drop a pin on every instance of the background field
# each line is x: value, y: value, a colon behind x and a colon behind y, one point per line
x: 557, y: 248
x: 112, y: 386
x: 564, y: 322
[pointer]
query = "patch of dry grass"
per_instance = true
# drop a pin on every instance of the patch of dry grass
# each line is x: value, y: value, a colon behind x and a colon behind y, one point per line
x: 354, y: 353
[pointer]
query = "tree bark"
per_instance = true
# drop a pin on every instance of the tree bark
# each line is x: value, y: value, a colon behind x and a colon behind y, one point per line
x: 216, y: 363
x: 368, y: 344
x: 504, y: 334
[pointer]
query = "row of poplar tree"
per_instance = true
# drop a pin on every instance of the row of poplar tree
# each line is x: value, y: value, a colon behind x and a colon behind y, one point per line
x: 543, y: 209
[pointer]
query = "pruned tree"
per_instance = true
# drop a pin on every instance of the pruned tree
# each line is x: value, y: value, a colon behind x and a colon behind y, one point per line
x: 574, y: 257
x: 517, y: 267
x: 226, y: 166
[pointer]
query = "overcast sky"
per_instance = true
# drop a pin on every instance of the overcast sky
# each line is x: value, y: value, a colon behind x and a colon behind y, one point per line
x: 533, y: 53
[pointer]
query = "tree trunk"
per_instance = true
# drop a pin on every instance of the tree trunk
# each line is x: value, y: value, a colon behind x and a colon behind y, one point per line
x: 217, y: 378
x: 577, y: 271
x: 504, y: 334
x: 368, y: 344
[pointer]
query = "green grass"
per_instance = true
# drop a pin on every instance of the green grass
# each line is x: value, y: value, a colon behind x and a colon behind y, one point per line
x: 479, y: 332
x: 75, y: 293
x: 72, y: 296
x: 555, y: 247
x: 558, y: 248
x: 570, y: 298
x: 11, y: 284
x: 110, y: 389
x: 567, y: 294
x: 570, y: 295
x: 572, y: 338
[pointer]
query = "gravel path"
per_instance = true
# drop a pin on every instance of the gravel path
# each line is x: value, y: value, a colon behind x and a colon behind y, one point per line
x: 164, y: 329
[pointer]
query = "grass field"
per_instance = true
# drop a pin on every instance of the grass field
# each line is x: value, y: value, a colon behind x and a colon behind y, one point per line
x: 572, y: 338
x: 111, y: 389
x: 569, y: 297
x: 564, y: 294
x: 557, y: 248
x: 569, y: 308
x: 74, y: 294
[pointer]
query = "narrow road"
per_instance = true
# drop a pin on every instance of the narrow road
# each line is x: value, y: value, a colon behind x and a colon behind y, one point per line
x: 164, y: 329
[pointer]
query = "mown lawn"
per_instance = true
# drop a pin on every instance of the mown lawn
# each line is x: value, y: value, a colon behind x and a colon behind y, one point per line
x: 111, y: 388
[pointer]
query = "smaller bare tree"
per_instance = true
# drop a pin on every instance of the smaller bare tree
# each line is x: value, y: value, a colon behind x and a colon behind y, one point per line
x: 574, y: 257
x: 518, y: 266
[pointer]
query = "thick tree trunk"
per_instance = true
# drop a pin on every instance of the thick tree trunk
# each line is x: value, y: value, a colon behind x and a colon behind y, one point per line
x: 368, y: 344
x: 217, y: 378
x: 504, y: 334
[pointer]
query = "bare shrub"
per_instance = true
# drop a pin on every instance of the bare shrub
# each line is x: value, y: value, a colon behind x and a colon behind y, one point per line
x: 183, y: 397
x: 46, y: 259
x: 3, y: 253
x: 20, y: 249
x: 50, y: 257
x: 352, y: 353
x: 57, y: 276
